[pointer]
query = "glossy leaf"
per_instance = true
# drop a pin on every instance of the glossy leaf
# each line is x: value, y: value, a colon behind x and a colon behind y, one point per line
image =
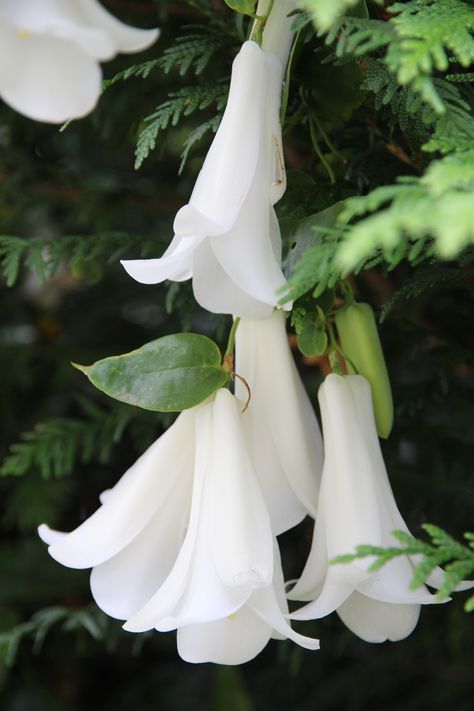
x: 245, y: 7
x: 169, y: 374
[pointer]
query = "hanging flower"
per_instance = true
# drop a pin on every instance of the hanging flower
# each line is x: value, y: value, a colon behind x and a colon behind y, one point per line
x: 227, y: 237
x: 184, y: 541
x: 356, y: 507
x: 281, y: 426
x: 50, y: 52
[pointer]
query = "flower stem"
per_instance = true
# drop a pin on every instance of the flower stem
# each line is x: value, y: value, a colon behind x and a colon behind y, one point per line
x: 246, y: 386
x: 228, y: 361
x: 231, y: 341
x: 327, y: 140
x: 320, y: 154
x: 286, y: 83
x: 336, y: 350
x: 259, y: 25
x: 347, y: 291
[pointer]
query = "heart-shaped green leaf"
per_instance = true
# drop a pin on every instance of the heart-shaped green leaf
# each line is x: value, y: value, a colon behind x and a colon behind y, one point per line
x: 312, y: 339
x: 245, y: 7
x: 170, y: 374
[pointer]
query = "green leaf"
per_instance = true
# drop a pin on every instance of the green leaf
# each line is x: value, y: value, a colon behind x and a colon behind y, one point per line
x: 169, y: 374
x: 313, y: 246
x: 325, y: 12
x: 421, y: 38
x: 245, y: 7
x: 312, y: 339
x: 180, y: 103
x: 438, y: 206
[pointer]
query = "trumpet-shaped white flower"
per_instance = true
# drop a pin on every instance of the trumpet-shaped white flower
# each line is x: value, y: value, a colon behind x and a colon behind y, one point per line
x: 184, y: 541
x: 50, y: 52
x: 356, y: 507
x: 227, y: 237
x: 282, y: 428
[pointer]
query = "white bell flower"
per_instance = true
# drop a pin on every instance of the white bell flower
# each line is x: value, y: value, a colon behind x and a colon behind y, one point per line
x: 280, y: 422
x: 227, y: 237
x: 356, y: 507
x: 184, y: 541
x: 50, y: 52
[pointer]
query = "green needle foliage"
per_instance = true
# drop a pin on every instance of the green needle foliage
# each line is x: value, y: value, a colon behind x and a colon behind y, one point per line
x: 84, y: 254
x: 56, y: 446
x: 182, y: 103
x: 422, y: 37
x: 39, y: 626
x: 325, y: 12
x: 439, y: 205
x: 442, y: 550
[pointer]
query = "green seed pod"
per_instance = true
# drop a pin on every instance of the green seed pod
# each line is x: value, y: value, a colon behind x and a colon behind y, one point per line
x: 360, y: 342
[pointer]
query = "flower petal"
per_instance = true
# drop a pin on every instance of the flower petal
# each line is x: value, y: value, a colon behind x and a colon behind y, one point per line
x: 392, y: 584
x: 271, y: 606
x: 265, y: 604
x: 247, y: 251
x: 348, y: 493
x: 49, y: 535
x: 234, y: 640
x: 255, y: 232
x: 436, y: 579
x: 133, y: 500
x: 126, y: 38
x: 227, y: 173
x: 285, y: 509
x: 191, y: 221
x: 193, y: 591
x: 278, y: 35
x: 240, y: 526
x: 175, y: 264
x: 333, y: 594
x: 53, y: 80
x: 375, y: 621
x: 123, y: 585
x: 314, y: 575
x: 216, y: 292
x: 73, y: 19
x: 280, y: 407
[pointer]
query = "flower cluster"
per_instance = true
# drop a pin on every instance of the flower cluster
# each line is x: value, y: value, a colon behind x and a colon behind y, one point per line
x: 187, y: 539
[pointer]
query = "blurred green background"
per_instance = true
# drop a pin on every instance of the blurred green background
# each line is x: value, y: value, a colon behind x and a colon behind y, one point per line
x: 80, y: 185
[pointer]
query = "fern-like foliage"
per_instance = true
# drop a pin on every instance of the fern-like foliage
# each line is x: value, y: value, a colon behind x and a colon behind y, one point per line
x: 317, y: 242
x: 453, y: 130
x: 55, y: 445
x: 199, y: 132
x: 426, y: 279
x: 419, y: 40
x: 191, y: 51
x: 194, y: 50
x: 89, y: 619
x: 325, y: 12
x: 181, y: 103
x: 44, y: 256
x: 15, y: 250
x: 442, y: 550
x: 438, y: 206
x: 317, y: 270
